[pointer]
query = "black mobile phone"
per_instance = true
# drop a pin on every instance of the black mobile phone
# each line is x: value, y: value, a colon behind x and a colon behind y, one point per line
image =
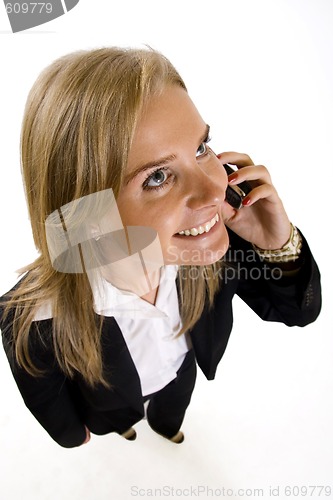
x: 235, y: 194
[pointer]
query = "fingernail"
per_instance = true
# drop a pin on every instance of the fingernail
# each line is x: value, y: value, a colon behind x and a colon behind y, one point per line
x: 232, y: 178
x: 246, y: 201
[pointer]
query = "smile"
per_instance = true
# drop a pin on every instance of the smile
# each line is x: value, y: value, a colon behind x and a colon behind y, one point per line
x: 205, y: 228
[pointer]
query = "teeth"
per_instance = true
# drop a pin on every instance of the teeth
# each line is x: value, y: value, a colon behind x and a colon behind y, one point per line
x: 194, y: 231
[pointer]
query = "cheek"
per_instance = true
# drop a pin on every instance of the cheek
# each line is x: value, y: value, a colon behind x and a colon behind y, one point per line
x: 157, y: 214
x: 130, y: 209
x: 164, y: 221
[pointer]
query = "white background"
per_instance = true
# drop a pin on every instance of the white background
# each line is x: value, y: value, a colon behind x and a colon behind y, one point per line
x: 261, y: 73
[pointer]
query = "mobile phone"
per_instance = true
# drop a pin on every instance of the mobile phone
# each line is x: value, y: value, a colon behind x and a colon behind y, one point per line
x: 235, y: 194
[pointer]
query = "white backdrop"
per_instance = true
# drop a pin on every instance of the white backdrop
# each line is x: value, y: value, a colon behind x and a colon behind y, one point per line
x: 261, y: 73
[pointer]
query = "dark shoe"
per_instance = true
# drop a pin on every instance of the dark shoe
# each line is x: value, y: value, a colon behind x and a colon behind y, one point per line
x: 177, y: 438
x: 130, y: 434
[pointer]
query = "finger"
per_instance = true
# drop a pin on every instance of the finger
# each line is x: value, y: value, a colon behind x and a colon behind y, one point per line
x: 262, y: 192
x: 238, y: 159
x: 257, y: 173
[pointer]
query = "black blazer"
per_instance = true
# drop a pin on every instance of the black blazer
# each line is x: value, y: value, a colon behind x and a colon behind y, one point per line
x: 63, y: 406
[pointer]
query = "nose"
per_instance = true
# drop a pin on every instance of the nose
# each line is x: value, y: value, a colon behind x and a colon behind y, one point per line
x: 206, y: 184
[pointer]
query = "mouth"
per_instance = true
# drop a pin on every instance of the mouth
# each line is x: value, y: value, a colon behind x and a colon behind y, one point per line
x: 199, y: 230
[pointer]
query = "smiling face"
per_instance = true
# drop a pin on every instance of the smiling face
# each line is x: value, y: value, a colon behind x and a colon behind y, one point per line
x: 174, y: 183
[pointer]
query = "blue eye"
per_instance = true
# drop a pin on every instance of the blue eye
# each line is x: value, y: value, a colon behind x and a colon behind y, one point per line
x: 156, y: 179
x: 202, y: 149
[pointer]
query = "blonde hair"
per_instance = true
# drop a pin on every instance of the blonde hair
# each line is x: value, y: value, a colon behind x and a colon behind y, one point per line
x: 77, y: 130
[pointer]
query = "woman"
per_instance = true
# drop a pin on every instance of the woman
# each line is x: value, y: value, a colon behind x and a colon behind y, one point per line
x: 140, y: 253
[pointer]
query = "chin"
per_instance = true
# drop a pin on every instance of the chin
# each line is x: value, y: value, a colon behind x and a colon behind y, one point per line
x: 196, y: 256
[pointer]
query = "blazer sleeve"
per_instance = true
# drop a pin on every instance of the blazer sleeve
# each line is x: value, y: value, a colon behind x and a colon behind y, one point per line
x: 292, y: 300
x: 48, y: 397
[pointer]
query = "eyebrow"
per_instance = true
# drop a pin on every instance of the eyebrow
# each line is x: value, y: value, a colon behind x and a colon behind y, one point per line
x: 161, y: 161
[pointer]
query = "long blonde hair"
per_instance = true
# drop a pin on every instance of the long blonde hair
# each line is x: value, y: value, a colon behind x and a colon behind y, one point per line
x: 77, y: 130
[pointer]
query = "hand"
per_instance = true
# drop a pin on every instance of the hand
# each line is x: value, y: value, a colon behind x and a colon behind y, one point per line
x: 262, y: 220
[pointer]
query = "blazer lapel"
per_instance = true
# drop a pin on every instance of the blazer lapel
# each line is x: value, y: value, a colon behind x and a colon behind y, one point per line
x: 119, y: 366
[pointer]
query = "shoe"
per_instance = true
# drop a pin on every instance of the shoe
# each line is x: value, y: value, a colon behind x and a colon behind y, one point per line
x: 177, y: 438
x: 130, y: 434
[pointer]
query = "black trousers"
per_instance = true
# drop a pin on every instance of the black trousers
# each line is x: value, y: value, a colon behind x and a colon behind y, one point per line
x: 167, y: 407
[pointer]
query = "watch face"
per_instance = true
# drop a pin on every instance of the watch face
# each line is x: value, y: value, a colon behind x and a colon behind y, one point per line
x: 25, y: 15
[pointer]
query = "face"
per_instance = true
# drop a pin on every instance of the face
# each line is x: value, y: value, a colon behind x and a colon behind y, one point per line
x: 174, y: 183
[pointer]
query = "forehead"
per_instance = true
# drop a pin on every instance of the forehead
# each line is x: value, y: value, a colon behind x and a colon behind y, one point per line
x: 166, y: 119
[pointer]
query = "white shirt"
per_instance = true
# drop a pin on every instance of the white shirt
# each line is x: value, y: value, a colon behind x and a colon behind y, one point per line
x: 150, y: 331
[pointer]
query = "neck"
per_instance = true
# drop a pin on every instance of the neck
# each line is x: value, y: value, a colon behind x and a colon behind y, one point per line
x: 150, y: 296
x: 126, y: 277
